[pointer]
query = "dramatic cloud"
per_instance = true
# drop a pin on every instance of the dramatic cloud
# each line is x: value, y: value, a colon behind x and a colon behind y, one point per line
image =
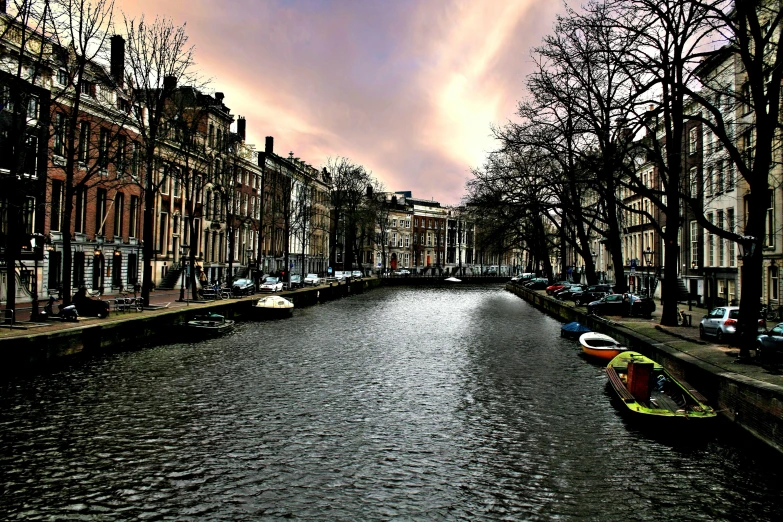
x: 406, y: 88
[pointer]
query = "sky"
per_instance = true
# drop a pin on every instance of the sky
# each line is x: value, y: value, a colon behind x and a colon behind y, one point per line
x: 408, y: 89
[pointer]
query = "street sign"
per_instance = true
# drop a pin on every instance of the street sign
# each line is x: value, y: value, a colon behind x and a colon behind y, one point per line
x: 329, y: 270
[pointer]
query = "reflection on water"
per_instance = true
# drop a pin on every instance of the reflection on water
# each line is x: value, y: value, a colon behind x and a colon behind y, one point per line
x: 457, y: 403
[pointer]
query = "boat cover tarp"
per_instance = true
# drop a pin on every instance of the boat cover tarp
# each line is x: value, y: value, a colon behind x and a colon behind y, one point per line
x: 575, y: 328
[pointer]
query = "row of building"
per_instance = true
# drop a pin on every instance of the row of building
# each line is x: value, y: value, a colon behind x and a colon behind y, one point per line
x: 236, y: 211
x: 709, y: 267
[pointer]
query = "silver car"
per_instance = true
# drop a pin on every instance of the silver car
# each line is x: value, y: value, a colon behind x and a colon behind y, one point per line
x: 722, y: 322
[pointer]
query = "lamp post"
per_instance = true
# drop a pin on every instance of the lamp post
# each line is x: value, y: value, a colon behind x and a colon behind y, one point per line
x: 594, y: 255
x: 183, y: 252
x: 648, y: 257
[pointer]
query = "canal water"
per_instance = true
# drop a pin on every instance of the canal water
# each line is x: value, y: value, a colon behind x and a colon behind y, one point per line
x: 459, y: 403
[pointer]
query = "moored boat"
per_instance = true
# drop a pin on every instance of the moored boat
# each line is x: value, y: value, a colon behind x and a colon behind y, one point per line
x: 600, y: 346
x: 573, y: 330
x: 273, y: 306
x: 453, y: 280
x: 210, y: 324
x: 646, y: 388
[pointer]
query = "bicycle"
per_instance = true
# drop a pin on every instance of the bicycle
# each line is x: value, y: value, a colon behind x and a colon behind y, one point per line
x: 769, y: 312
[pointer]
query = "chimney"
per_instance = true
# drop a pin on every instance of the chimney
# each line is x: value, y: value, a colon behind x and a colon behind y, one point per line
x: 219, y: 97
x: 241, y: 126
x: 261, y: 159
x: 117, y: 66
x: 169, y: 83
x: 269, y: 145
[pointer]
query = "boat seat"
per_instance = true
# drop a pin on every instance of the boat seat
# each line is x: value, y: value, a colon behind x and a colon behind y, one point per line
x: 693, y: 391
x: 618, y: 385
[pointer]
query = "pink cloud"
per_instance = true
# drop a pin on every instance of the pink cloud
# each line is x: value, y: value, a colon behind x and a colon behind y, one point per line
x: 408, y: 89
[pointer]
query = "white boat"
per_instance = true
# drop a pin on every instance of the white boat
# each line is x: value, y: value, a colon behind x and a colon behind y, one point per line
x: 453, y: 280
x: 601, y: 346
x: 273, y: 306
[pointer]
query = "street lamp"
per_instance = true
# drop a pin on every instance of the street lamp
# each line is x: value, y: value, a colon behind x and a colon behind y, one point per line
x: 648, y: 257
x: 594, y: 255
x: 183, y: 252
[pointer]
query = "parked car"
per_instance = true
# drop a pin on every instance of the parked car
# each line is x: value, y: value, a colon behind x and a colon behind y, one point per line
x: 271, y: 284
x: 295, y: 281
x: 89, y: 307
x: 243, y: 287
x: 566, y: 293
x: 539, y: 283
x: 622, y: 304
x: 402, y: 272
x: 551, y: 289
x: 591, y: 293
x: 769, y: 347
x: 357, y: 274
x: 312, y: 280
x: 340, y: 276
x: 722, y: 322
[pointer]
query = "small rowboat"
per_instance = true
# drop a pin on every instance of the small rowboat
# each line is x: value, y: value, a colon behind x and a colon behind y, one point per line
x: 273, y: 306
x: 210, y: 324
x: 646, y: 388
x: 601, y: 346
x: 453, y: 280
x: 573, y: 330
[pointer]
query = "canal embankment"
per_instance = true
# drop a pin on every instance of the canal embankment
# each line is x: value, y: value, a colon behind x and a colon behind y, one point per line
x: 34, y: 347
x: 748, y: 395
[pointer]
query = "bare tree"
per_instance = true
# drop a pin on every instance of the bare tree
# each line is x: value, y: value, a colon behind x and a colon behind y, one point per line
x: 23, y: 132
x: 158, y: 59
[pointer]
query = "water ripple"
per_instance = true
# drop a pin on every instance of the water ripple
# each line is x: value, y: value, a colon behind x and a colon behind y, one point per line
x: 398, y: 404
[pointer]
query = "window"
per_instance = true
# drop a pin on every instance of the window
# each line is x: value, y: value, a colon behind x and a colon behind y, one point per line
x: 62, y: 77
x: 770, y: 242
x: 81, y: 210
x: 710, y: 242
x: 709, y: 184
x: 32, y: 108
x: 719, y: 176
x: 429, y: 237
x: 774, y: 277
x: 163, y: 233
x: 416, y: 222
x: 87, y: 88
x: 59, y: 134
x: 133, y: 269
x: 730, y: 227
x: 133, y: 217
x: 84, y: 142
x: 695, y: 241
x: 120, y: 160
x: 747, y: 139
x: 729, y: 181
x: 164, y: 180
x: 31, y: 156
x: 119, y: 213
x: 56, y: 205
x: 694, y: 182
x: 103, y: 149
x: 100, y: 210
x: 211, y: 135
x: 693, y: 141
x: 394, y: 223
x: 745, y: 93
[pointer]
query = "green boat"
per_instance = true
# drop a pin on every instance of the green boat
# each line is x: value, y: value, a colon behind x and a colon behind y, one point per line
x: 647, y: 389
